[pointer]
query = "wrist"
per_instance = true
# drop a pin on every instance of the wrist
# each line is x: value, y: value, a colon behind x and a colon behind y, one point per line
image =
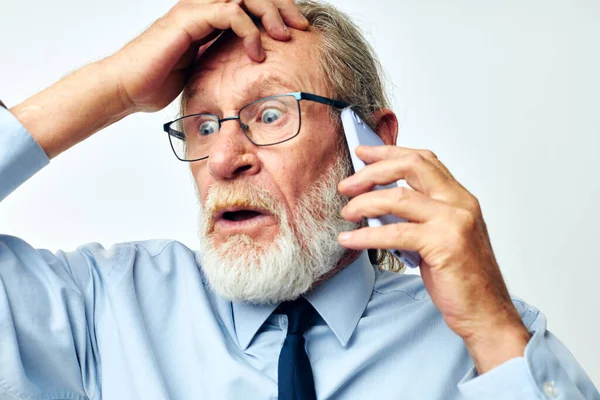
x: 74, y: 108
x: 116, y: 101
x: 495, y: 345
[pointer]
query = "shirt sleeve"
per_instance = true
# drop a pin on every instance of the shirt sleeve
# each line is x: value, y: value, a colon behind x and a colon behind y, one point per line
x: 46, y: 322
x: 547, y: 370
x: 20, y: 155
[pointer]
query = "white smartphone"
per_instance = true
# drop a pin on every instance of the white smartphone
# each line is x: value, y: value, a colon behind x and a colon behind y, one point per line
x: 358, y: 132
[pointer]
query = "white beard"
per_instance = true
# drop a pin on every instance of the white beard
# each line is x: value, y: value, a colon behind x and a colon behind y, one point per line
x: 244, y: 270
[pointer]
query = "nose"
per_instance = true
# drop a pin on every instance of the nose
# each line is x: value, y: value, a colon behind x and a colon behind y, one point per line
x: 231, y: 153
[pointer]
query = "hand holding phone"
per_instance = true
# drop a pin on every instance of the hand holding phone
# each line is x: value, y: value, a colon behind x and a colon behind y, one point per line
x: 357, y: 132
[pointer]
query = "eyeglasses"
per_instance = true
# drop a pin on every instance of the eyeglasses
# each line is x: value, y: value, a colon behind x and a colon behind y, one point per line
x: 265, y: 122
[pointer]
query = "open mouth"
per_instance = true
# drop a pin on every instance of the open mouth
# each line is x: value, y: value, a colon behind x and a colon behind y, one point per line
x: 240, y: 215
x: 241, y: 219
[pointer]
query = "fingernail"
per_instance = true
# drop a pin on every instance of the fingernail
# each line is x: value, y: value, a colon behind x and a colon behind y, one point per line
x: 344, y: 236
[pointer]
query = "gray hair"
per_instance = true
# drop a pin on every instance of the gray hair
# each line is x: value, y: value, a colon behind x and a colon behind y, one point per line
x: 347, y: 61
x: 353, y: 74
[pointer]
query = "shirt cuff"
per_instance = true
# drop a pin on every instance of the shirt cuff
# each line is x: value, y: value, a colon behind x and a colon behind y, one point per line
x: 20, y: 155
x: 510, y: 380
x: 537, y: 375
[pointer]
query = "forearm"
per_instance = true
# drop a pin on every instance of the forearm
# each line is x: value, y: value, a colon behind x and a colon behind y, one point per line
x: 497, y: 346
x: 74, y: 108
x: 544, y: 369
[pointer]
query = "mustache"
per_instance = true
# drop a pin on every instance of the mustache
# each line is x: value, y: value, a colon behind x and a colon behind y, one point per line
x: 242, y: 194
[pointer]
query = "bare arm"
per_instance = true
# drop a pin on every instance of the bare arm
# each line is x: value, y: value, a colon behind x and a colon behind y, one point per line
x: 74, y: 108
x: 149, y: 72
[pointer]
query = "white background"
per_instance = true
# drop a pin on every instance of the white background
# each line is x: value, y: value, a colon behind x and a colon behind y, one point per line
x: 506, y: 93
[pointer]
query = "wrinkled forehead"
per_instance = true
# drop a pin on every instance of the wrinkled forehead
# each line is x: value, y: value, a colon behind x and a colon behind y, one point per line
x: 225, y: 76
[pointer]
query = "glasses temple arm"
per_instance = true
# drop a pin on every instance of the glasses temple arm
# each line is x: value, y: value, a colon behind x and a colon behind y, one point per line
x: 324, y: 100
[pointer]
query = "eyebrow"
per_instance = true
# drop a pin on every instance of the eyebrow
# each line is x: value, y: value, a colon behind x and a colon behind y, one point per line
x: 265, y: 86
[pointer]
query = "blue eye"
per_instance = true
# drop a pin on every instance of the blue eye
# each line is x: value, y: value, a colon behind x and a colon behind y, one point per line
x: 208, y: 127
x: 270, y: 115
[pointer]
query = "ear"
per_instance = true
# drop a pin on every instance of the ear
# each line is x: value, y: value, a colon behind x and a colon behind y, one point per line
x: 386, y: 125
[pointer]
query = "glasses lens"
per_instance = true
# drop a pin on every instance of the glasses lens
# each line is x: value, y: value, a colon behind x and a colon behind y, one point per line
x: 271, y: 120
x: 191, y: 136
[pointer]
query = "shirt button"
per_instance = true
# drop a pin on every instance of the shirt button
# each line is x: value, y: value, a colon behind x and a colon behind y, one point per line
x: 550, y: 390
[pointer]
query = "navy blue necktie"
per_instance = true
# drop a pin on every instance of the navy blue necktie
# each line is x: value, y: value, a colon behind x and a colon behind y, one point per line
x: 295, y: 374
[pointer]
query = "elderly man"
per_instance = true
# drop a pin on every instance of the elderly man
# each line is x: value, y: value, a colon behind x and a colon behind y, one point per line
x: 282, y: 299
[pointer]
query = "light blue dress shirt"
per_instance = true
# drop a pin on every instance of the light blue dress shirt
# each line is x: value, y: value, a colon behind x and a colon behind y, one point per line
x: 138, y: 321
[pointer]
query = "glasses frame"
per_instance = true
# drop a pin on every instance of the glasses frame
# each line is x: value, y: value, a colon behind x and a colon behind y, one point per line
x: 297, y: 95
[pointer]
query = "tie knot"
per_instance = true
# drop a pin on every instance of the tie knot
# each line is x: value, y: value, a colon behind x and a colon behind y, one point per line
x: 299, y: 313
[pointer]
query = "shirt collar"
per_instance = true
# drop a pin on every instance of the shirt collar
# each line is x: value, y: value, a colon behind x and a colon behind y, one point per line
x: 340, y: 301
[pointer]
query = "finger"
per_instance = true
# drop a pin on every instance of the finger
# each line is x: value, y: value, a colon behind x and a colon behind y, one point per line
x: 400, y: 201
x: 187, y: 59
x: 291, y: 14
x: 206, y: 42
x: 216, y: 36
x: 270, y: 17
x: 233, y: 16
x: 371, y: 154
x: 418, y: 172
x: 200, y: 21
x: 403, y: 235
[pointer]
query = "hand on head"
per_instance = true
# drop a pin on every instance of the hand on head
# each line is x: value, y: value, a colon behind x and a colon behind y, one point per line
x: 152, y: 68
